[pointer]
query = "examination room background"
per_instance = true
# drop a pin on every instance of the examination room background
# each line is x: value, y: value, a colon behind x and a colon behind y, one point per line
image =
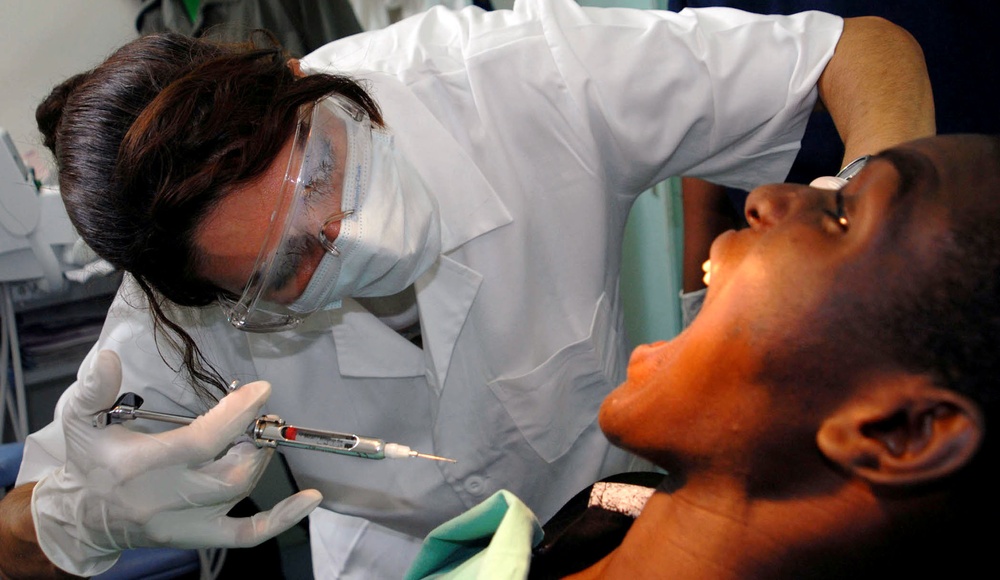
x: 45, y: 41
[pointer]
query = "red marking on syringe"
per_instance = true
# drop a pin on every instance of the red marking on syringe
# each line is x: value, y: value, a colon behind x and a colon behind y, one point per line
x: 290, y: 433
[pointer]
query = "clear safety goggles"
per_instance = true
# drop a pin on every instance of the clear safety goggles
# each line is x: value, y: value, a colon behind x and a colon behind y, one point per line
x: 331, y: 151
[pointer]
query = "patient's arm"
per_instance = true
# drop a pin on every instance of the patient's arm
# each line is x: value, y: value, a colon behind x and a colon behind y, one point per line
x: 20, y: 554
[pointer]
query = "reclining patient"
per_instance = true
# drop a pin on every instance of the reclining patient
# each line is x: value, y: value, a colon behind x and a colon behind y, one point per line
x: 826, y: 413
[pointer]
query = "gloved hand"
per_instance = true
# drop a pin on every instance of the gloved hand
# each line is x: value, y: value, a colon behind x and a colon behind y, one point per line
x: 828, y: 182
x: 120, y: 489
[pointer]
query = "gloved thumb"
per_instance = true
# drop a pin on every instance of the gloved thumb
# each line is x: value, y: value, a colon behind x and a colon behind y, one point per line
x: 99, y: 385
x: 211, y: 433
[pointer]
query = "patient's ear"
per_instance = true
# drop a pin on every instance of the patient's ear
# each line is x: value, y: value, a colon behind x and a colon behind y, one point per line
x: 902, y: 430
x: 293, y: 63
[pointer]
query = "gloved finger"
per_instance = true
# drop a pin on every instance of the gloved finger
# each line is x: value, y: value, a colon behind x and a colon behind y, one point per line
x: 98, y: 388
x: 225, y: 481
x: 246, y: 532
x: 243, y: 464
x: 201, y: 528
x: 828, y: 182
x: 208, y: 435
x: 228, y: 479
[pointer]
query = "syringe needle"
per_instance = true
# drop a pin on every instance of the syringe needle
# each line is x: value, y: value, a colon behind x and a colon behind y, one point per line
x: 434, y: 457
x: 397, y: 451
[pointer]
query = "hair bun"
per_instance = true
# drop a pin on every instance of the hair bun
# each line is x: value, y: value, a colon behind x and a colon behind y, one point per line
x: 49, y: 113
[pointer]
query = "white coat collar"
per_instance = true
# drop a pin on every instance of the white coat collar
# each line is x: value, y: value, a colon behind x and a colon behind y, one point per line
x: 368, y: 348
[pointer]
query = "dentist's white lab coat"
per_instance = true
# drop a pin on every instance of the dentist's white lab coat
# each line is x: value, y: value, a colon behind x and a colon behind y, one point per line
x: 535, y: 129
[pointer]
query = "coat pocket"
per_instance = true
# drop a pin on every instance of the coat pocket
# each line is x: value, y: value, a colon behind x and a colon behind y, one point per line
x: 554, y: 403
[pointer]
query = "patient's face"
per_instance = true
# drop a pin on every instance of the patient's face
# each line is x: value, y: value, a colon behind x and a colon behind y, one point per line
x: 770, y: 354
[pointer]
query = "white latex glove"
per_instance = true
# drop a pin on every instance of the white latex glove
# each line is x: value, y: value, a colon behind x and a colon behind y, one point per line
x: 828, y: 182
x: 121, y: 489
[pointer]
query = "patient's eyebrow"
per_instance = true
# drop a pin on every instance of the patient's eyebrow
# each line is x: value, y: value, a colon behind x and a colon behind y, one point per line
x: 916, y: 173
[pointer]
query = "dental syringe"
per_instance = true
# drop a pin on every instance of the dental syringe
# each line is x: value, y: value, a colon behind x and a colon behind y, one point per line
x: 271, y: 431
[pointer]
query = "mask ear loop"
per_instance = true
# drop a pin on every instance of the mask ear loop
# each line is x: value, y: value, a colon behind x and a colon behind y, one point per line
x: 326, y: 242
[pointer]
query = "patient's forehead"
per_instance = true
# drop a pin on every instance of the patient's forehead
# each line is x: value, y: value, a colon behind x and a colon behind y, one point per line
x: 967, y: 171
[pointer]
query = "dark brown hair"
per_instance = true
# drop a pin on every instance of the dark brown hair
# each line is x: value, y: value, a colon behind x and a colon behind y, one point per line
x: 945, y: 320
x: 150, y: 140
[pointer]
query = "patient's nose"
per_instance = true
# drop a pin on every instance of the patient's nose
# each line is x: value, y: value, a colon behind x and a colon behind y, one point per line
x: 768, y: 205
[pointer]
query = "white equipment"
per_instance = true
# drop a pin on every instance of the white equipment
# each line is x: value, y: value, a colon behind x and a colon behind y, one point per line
x: 34, y: 230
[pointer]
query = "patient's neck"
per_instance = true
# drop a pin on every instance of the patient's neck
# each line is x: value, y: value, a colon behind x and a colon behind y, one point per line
x: 718, y: 532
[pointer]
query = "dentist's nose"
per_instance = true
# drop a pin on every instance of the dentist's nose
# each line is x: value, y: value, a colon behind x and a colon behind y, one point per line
x: 330, y: 230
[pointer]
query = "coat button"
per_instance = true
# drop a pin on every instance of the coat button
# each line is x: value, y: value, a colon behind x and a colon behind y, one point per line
x: 475, y: 485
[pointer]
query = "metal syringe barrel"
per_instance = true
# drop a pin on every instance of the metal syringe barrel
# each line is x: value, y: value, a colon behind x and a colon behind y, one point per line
x: 271, y: 430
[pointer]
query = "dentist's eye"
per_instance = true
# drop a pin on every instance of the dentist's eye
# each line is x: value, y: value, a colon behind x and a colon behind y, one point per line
x: 319, y: 184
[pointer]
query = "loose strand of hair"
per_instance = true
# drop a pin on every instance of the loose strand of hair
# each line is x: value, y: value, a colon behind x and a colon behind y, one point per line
x: 199, y: 370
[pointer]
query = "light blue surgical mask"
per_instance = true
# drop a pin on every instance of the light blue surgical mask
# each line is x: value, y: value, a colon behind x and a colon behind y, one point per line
x: 390, y: 239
